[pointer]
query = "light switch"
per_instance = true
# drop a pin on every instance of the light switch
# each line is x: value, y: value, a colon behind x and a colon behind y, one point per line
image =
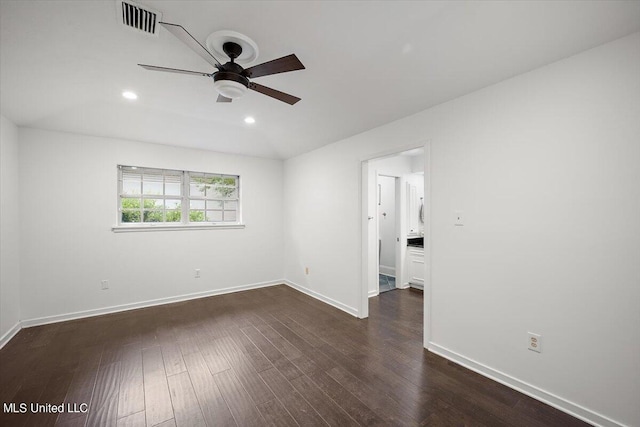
x: 458, y: 219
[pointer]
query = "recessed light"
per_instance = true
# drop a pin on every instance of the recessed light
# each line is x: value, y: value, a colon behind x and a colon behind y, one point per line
x: 249, y: 120
x: 129, y: 95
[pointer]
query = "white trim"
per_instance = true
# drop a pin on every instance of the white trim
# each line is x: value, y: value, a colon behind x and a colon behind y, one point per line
x: 426, y: 291
x: 537, y: 393
x: 374, y: 293
x: 363, y: 194
x: 401, y: 229
x: 391, y: 152
x: 143, y: 304
x: 136, y: 228
x: 10, y: 334
x: 350, y: 310
x: 388, y: 271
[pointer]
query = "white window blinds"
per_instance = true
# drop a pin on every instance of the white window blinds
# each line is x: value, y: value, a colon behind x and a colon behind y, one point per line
x: 148, y: 196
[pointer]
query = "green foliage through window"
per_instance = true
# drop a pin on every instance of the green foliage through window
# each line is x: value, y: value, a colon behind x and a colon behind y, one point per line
x: 157, y: 196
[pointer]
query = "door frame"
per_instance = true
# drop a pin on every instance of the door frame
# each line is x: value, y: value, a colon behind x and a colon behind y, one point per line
x: 366, y: 235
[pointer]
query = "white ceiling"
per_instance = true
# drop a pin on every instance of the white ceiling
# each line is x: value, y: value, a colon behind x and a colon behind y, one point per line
x: 63, y: 65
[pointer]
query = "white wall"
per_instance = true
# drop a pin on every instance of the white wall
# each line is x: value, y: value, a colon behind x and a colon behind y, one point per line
x: 68, y: 205
x: 391, y: 166
x: 546, y: 168
x: 9, y: 228
x: 417, y: 163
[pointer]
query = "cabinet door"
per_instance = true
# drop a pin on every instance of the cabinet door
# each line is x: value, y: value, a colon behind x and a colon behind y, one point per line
x: 413, y: 209
x: 416, y: 267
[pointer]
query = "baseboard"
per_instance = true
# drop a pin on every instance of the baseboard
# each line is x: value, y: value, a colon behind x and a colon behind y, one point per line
x: 150, y: 303
x: 387, y: 271
x: 550, y: 399
x: 374, y: 293
x: 350, y: 310
x: 143, y: 304
x: 10, y: 334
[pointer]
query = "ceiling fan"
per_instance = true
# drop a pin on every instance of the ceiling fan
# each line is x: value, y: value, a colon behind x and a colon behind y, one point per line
x: 231, y: 80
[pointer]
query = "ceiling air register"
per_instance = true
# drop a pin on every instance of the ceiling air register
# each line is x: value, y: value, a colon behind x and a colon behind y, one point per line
x: 138, y: 17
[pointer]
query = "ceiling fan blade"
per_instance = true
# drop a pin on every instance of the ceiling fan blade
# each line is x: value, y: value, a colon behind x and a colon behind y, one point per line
x: 223, y: 99
x: 173, y: 70
x: 281, y: 96
x: 186, y: 38
x: 280, y: 65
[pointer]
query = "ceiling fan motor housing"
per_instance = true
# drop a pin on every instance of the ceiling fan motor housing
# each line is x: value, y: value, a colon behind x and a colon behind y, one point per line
x: 229, y: 81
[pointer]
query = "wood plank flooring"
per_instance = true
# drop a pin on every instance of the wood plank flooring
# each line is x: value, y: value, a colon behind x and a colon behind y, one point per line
x: 271, y: 356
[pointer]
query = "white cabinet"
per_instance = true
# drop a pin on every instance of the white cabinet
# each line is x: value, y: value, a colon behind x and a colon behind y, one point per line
x: 415, y: 198
x: 416, y: 267
x: 412, y: 210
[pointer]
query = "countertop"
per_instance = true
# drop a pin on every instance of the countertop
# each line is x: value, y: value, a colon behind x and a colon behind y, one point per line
x: 415, y: 242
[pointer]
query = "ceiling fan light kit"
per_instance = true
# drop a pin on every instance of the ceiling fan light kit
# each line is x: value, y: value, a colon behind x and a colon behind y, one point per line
x: 231, y: 80
x: 229, y: 88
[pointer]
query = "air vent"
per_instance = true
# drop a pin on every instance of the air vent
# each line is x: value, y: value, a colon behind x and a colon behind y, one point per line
x: 138, y: 17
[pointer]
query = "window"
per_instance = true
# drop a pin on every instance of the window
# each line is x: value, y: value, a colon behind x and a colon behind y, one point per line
x: 163, y: 197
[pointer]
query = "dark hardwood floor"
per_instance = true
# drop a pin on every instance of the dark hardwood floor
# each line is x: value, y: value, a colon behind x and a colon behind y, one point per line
x: 270, y: 356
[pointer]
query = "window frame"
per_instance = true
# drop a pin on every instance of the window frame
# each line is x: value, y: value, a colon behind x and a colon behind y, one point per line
x: 184, y: 197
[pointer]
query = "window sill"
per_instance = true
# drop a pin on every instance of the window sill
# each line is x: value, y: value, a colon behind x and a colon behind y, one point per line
x: 138, y: 228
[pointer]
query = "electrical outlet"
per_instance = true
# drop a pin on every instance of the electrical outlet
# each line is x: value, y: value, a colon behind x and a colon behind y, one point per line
x: 104, y: 285
x: 306, y: 270
x: 535, y: 342
x: 197, y: 276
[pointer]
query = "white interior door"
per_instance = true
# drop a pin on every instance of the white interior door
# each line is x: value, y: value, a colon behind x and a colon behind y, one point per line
x: 388, y: 233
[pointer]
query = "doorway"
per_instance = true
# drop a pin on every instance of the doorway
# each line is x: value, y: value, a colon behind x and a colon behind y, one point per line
x: 387, y: 228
